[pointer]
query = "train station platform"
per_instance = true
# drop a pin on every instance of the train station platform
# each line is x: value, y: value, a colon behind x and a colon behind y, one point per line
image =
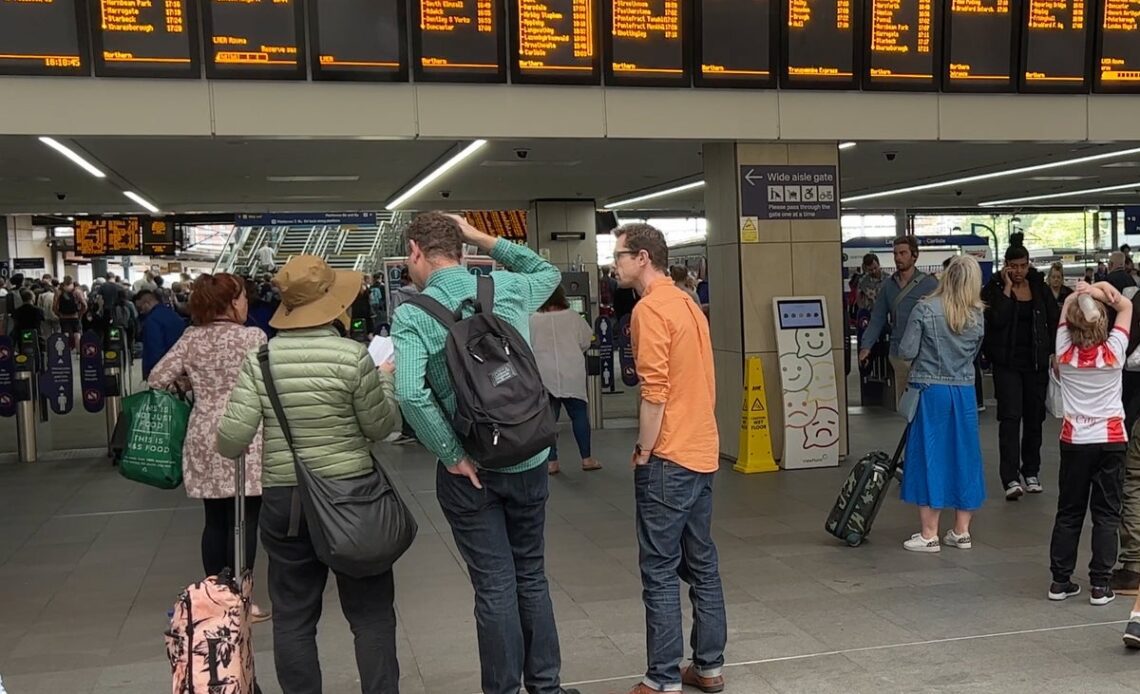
x: 90, y: 564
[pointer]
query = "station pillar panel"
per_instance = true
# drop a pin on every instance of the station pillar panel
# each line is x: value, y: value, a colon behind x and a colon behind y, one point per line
x: 807, y: 383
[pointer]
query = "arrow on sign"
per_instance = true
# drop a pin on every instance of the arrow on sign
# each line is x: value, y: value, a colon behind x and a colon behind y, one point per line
x: 750, y: 178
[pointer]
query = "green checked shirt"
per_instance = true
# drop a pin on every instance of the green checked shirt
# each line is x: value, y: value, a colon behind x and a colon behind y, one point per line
x: 421, y: 368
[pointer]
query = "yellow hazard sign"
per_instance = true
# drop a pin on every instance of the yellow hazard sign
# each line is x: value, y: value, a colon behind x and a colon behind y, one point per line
x: 755, y: 437
x: 749, y: 230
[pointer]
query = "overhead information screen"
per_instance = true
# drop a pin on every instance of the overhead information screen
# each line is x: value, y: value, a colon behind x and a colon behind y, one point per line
x: 902, y: 45
x: 555, y: 41
x: 647, y: 43
x: 980, y: 45
x: 358, y: 40
x: 145, y: 38
x: 735, y: 42
x: 254, y: 39
x: 42, y: 37
x: 820, y: 44
x: 1056, y: 45
x: 1118, y: 52
x: 158, y: 237
x: 108, y: 236
x: 458, y: 41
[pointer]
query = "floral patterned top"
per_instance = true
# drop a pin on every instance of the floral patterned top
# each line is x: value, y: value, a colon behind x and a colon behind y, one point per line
x: 210, y: 356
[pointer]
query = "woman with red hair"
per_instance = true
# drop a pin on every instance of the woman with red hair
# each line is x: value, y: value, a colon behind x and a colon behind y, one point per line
x: 209, y: 355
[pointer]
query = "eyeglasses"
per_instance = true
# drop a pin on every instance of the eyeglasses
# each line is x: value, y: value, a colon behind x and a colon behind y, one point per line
x: 619, y: 254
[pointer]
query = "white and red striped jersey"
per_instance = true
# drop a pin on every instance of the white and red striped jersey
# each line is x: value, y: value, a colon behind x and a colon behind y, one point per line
x: 1090, y: 388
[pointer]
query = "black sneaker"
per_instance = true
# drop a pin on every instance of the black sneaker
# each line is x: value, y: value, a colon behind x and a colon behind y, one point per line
x: 1061, y: 591
x: 1132, y: 634
x: 1101, y: 595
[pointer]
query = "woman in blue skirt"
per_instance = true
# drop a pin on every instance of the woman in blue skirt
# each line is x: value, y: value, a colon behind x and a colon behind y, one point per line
x: 943, y: 452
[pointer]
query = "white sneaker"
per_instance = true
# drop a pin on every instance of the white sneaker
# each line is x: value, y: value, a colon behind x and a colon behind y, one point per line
x: 1014, y: 491
x: 918, y: 543
x: 953, y: 539
x: 1033, y: 485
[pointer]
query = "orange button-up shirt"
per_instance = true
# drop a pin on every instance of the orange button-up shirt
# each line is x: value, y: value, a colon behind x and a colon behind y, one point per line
x: 673, y: 352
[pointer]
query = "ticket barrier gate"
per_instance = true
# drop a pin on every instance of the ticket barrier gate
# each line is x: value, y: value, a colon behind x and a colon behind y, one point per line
x: 27, y: 394
x: 116, y: 376
x: 594, y: 386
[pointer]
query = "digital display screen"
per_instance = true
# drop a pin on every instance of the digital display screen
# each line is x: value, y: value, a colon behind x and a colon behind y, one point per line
x: 1056, y: 45
x: 820, y: 44
x: 42, y: 37
x: 254, y: 39
x: 647, y: 43
x: 458, y: 41
x: 1118, y: 50
x: 736, y: 43
x: 980, y: 42
x: 358, y: 40
x: 145, y: 38
x: 555, y: 41
x: 108, y: 236
x: 158, y: 237
x: 796, y: 315
x: 902, y: 45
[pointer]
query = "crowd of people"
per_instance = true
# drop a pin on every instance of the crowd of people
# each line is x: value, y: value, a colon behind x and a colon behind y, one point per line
x: 1070, y: 348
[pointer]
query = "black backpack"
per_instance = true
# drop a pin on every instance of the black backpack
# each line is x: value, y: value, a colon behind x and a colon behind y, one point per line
x: 68, y: 306
x: 502, y: 412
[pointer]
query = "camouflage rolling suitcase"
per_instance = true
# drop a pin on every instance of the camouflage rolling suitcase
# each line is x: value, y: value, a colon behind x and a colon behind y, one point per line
x: 862, y: 494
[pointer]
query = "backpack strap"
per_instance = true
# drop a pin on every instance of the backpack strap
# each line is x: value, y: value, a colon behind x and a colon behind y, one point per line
x: 433, y: 308
x: 484, y: 295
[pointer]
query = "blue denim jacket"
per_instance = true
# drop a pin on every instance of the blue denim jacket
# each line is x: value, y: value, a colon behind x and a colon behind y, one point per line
x: 936, y: 353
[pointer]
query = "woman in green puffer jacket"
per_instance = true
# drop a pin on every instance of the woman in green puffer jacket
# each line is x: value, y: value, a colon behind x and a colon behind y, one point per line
x: 337, y: 404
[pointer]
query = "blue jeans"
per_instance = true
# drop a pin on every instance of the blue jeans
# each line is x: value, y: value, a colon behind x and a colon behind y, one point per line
x: 674, y: 534
x: 499, y: 533
x: 579, y: 421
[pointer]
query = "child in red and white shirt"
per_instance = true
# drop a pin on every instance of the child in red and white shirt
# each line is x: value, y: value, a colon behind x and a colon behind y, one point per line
x: 1090, y: 358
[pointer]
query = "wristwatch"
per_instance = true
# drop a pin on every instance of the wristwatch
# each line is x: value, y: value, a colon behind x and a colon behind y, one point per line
x: 640, y: 451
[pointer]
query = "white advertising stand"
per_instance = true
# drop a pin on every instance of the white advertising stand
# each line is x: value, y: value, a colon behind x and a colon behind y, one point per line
x: 807, y: 383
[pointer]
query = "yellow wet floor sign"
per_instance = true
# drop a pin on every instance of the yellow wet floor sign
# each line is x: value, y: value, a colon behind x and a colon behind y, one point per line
x: 755, y: 437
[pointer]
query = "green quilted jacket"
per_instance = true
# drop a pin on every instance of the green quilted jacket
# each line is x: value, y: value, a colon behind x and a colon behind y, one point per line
x: 336, y: 401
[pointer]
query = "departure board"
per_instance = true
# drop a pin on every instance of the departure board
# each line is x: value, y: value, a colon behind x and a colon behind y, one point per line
x: 145, y: 38
x: 42, y: 37
x: 158, y: 237
x: 821, y: 43
x: 1056, y: 45
x: 735, y: 42
x: 358, y: 40
x: 902, y: 45
x: 458, y: 41
x: 981, y: 43
x: 108, y: 236
x: 647, y: 43
x: 254, y: 39
x: 1118, y: 47
x: 555, y: 41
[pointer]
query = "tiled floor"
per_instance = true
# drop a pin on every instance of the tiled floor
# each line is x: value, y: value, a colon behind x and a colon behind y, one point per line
x: 89, y: 565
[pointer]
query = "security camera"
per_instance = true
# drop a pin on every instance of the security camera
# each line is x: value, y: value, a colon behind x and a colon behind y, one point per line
x: 445, y: 194
x: 61, y: 196
x: 522, y: 152
x: 890, y: 155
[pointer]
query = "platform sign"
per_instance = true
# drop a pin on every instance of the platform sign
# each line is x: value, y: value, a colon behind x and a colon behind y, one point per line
x: 91, y: 375
x: 604, y: 335
x: 7, y: 377
x: 56, y: 381
x: 789, y: 192
x: 625, y: 355
x: 1132, y: 220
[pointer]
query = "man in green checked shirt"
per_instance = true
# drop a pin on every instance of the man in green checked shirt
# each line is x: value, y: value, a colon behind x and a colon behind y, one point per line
x: 497, y: 516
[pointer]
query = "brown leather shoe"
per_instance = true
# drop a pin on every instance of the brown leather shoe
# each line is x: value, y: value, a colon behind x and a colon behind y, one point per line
x: 643, y: 688
x: 710, y: 685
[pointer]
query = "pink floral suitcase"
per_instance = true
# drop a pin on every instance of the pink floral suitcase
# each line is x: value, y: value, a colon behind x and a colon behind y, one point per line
x: 210, y: 642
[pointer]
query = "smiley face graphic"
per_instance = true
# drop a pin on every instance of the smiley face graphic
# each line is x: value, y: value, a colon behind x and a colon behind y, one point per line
x: 811, y: 342
x: 799, y: 411
x: 823, y: 430
x: 795, y: 373
x: 822, y: 376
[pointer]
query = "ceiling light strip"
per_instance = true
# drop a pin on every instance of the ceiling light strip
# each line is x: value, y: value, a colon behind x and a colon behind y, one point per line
x: 654, y: 195
x: 73, y: 156
x: 988, y: 176
x: 1054, y: 196
x: 436, y: 174
x: 142, y: 202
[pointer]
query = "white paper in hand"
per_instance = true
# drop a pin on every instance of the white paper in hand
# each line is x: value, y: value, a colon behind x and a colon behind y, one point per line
x: 381, y: 349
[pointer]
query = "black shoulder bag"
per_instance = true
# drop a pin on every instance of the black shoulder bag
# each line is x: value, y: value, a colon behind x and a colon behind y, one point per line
x: 359, y: 526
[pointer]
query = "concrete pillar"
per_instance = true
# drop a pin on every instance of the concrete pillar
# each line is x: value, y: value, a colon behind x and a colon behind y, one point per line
x: 781, y: 258
x: 902, y: 223
x: 548, y: 217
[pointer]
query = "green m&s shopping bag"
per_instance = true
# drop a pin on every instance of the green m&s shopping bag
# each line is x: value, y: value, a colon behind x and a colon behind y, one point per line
x: 155, y: 429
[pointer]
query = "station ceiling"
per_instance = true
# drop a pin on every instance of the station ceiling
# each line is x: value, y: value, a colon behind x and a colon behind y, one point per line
x: 224, y: 175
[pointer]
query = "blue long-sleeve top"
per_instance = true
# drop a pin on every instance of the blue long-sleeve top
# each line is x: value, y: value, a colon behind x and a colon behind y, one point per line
x: 884, y: 308
x: 161, y: 328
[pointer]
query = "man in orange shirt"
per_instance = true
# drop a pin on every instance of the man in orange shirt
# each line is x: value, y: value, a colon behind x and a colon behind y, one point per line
x: 675, y: 459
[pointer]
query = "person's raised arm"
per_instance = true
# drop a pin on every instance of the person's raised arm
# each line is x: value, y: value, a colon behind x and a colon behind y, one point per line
x: 535, y: 278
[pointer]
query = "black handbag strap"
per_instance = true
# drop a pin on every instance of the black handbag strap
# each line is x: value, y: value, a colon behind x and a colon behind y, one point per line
x: 279, y: 411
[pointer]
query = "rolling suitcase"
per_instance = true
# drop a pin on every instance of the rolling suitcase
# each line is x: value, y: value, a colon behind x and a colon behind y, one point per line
x: 209, y: 643
x: 862, y: 494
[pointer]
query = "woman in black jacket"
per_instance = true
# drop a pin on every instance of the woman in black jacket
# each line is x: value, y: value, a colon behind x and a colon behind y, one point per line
x: 1021, y: 329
